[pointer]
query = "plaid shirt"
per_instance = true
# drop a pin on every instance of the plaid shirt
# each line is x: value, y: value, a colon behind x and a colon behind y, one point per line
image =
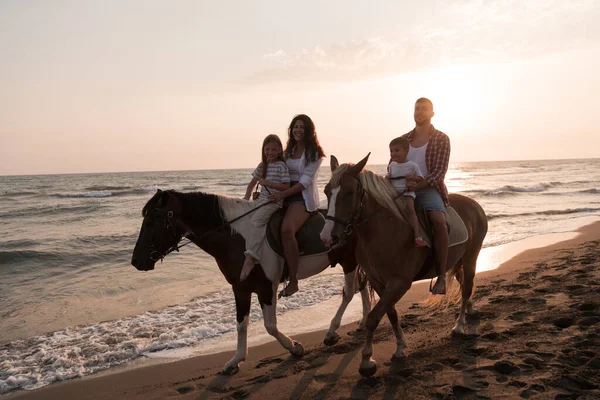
x: 437, y: 158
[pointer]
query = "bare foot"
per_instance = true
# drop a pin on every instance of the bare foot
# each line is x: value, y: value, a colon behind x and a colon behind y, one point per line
x: 439, y: 287
x: 290, y: 289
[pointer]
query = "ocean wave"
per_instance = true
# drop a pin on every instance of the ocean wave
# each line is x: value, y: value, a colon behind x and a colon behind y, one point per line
x: 509, y: 190
x: 82, y: 350
x: 547, y: 212
x: 50, y: 211
x: 229, y: 183
x: 112, y: 191
x: 101, y: 193
x: 18, y: 194
x: 19, y: 244
x: 104, y: 188
x: 28, y: 256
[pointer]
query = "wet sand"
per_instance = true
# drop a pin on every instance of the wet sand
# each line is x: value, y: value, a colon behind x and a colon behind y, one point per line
x: 536, y: 334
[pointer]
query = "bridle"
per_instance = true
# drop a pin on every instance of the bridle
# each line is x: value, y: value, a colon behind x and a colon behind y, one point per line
x: 167, y: 220
x: 168, y: 215
x: 357, y: 218
x: 355, y: 221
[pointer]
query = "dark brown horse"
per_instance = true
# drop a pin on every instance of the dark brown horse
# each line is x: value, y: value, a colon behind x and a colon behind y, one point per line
x: 203, y: 218
x: 364, y: 205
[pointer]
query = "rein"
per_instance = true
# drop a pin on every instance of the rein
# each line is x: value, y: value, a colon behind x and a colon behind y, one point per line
x: 176, y: 246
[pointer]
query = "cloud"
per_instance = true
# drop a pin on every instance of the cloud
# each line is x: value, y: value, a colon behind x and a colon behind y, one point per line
x: 463, y: 32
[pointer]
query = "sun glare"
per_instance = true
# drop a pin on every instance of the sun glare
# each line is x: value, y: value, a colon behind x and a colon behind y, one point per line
x: 458, y: 97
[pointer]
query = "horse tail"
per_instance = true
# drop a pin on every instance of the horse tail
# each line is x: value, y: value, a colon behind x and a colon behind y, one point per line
x: 453, y: 290
x: 364, y: 282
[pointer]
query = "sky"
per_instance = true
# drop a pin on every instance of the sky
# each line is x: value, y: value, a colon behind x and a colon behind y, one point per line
x: 109, y: 86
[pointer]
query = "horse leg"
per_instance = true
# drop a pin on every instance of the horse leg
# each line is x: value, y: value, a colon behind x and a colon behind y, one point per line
x: 270, y: 319
x: 332, y: 337
x: 398, y: 332
x: 365, y: 296
x: 242, y: 305
x: 393, y: 292
x: 466, y: 284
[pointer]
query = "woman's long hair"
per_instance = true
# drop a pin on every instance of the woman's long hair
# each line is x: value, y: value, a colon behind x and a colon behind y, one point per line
x: 314, y: 151
x: 270, y: 139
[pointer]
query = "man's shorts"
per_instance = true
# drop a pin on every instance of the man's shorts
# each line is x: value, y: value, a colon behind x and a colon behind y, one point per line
x: 430, y: 199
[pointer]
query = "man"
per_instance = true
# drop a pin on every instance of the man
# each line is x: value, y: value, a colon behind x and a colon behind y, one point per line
x: 430, y: 149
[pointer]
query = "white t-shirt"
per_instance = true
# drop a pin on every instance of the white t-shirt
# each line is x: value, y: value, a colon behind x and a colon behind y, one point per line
x: 294, y: 168
x: 418, y: 155
x: 402, y: 169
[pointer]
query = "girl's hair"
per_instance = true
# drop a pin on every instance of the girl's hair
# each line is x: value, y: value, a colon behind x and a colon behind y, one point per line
x: 269, y: 139
x: 314, y: 151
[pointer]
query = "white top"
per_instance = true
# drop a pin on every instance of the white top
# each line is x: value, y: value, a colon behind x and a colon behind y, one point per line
x: 402, y: 169
x: 277, y: 172
x: 308, y: 173
x: 294, y: 167
x: 418, y: 155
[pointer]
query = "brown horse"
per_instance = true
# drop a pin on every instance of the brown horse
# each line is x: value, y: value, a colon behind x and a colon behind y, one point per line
x: 365, y: 205
x: 208, y: 221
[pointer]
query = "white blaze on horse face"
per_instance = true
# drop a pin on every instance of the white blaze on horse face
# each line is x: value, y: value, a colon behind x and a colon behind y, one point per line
x: 326, y: 232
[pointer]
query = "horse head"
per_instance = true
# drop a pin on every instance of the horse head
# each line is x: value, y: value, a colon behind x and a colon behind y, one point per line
x: 345, y: 200
x: 159, y: 234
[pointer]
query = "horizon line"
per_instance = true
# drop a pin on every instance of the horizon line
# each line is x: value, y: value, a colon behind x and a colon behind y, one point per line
x: 239, y: 168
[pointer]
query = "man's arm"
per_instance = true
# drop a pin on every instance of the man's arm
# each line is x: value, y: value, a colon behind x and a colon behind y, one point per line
x: 439, y: 167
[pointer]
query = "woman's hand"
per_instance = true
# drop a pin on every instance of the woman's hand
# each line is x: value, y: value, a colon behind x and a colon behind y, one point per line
x: 276, y: 196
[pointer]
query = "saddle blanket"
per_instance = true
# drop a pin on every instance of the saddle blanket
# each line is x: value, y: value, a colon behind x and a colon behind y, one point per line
x: 457, y: 231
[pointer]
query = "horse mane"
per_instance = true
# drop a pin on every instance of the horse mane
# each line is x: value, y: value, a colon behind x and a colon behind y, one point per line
x: 378, y: 187
x: 201, y: 208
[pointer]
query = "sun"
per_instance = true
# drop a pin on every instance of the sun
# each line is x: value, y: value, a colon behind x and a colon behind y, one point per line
x: 458, y: 96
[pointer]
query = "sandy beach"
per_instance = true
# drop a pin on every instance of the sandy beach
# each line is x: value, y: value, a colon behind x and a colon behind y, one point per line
x: 536, y: 334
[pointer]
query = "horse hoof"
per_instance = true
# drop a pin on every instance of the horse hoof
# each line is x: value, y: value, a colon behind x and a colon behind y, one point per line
x: 297, y: 351
x: 457, y: 332
x: 368, y: 372
x: 331, y: 339
x: 396, y: 359
x: 231, y: 370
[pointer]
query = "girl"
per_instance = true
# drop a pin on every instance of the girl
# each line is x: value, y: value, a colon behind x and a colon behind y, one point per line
x: 303, y: 155
x: 272, y: 174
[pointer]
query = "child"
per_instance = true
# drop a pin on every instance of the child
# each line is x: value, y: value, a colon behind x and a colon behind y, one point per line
x: 272, y: 174
x: 399, y: 167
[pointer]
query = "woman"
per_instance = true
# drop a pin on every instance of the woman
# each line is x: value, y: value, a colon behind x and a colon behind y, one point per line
x: 303, y: 155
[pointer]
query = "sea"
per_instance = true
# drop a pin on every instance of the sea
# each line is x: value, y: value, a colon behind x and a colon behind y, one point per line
x: 72, y: 305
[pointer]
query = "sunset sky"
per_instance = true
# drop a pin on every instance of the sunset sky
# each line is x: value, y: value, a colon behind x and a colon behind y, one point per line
x: 102, y: 86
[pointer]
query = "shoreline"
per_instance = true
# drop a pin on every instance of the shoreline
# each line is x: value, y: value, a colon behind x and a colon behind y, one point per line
x: 292, y: 322
x: 172, y: 377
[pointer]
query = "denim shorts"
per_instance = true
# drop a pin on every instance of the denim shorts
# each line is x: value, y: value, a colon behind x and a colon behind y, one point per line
x: 295, y: 198
x: 430, y: 199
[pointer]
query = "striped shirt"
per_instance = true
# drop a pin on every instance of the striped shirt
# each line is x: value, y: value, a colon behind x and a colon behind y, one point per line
x: 437, y: 158
x: 277, y: 172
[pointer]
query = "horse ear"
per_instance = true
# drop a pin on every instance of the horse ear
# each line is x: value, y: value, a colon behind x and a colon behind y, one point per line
x: 357, y: 168
x: 334, y: 163
x: 163, y: 197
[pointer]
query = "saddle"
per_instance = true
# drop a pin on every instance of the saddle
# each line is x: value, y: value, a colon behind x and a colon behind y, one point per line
x: 457, y: 234
x: 457, y: 231
x: 308, y: 237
